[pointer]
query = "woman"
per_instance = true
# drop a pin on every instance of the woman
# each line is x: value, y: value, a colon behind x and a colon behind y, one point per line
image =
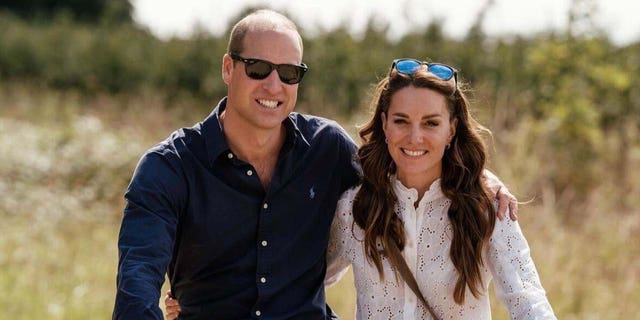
x: 424, y: 192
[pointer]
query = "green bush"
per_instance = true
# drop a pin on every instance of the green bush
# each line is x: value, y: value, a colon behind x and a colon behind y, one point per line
x: 575, y: 90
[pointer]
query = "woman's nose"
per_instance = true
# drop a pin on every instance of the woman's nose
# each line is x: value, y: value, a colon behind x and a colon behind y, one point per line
x: 416, y: 135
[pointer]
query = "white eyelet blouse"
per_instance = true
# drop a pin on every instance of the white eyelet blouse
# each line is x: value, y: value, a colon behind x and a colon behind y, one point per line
x: 428, y: 241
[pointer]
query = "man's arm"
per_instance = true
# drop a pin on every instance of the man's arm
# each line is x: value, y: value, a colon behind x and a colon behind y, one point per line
x: 147, y: 236
x: 505, y: 199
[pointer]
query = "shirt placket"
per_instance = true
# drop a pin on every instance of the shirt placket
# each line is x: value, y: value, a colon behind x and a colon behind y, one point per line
x: 264, y: 249
x: 263, y: 263
x: 410, y: 301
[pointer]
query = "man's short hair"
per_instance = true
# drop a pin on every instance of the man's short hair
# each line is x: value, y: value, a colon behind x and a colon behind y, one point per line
x: 262, y: 19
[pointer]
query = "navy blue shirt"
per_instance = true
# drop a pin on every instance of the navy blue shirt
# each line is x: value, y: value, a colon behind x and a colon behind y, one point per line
x: 231, y: 249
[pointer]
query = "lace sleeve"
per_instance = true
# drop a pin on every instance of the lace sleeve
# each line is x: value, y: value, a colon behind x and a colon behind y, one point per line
x: 516, y: 280
x: 339, y: 240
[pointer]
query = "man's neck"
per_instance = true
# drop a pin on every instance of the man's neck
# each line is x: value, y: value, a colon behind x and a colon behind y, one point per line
x: 258, y: 147
x: 251, y: 143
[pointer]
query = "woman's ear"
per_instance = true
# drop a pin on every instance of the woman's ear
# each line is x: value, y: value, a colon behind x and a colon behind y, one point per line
x: 383, y: 118
x: 452, y: 129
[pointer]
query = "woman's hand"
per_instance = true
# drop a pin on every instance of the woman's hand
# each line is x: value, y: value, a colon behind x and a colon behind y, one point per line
x: 172, y: 307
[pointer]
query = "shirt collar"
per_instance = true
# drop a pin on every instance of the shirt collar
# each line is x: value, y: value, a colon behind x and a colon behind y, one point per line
x: 214, y: 138
x: 217, y: 144
x: 410, y: 195
x: 294, y: 134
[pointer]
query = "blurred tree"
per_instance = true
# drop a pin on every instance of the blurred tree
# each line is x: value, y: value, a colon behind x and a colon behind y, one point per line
x: 87, y: 11
x: 473, y: 54
x: 191, y: 64
x: 579, y: 92
x: 425, y: 44
x: 246, y: 11
x: 572, y: 92
x: 332, y: 59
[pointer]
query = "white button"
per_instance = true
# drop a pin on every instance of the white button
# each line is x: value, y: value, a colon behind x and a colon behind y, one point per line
x: 249, y: 172
x: 265, y: 205
x: 263, y: 280
x: 264, y: 243
x: 258, y: 313
x: 230, y: 155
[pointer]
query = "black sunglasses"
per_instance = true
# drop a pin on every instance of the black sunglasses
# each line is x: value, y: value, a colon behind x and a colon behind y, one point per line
x: 411, y: 66
x: 259, y: 69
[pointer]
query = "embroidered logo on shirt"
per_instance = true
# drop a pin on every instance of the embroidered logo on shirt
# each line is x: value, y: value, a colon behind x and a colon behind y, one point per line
x: 312, y: 194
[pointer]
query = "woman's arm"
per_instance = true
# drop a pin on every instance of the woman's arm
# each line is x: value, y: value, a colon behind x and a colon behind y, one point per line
x: 171, y: 306
x: 339, y: 240
x: 516, y: 279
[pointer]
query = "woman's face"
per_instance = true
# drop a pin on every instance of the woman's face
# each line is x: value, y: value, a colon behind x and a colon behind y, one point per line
x: 418, y: 128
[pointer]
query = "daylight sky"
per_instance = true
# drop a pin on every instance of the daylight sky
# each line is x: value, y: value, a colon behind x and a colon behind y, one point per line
x: 166, y: 18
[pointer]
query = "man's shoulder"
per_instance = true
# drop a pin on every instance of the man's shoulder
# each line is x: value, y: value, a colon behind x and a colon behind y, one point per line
x: 319, y: 127
x: 311, y: 121
x: 166, y: 160
x: 178, y: 141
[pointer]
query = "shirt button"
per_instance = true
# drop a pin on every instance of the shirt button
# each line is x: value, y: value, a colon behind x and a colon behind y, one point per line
x: 263, y: 280
x: 264, y: 243
x: 249, y: 172
x: 230, y: 155
x: 258, y: 313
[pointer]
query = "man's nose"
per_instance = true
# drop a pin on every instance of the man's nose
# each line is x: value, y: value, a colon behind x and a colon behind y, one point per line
x: 272, y: 82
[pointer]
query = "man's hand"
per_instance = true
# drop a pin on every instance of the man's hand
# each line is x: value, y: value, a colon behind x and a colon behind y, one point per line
x: 172, y: 307
x: 506, y: 200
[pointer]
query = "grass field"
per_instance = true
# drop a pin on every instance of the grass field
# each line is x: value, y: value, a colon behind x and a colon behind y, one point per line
x: 65, y: 161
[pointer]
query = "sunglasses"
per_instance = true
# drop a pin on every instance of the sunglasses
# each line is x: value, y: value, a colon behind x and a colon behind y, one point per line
x: 411, y: 66
x: 259, y: 69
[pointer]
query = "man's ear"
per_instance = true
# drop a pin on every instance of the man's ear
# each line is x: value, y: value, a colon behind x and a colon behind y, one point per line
x: 227, y: 68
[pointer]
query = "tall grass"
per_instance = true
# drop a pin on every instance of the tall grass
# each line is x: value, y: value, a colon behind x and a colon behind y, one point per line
x: 65, y: 161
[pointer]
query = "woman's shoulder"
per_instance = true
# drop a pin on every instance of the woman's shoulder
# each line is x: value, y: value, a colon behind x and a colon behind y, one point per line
x: 350, y: 193
x: 344, y: 209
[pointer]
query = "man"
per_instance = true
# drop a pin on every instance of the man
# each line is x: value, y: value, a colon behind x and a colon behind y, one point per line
x: 238, y: 208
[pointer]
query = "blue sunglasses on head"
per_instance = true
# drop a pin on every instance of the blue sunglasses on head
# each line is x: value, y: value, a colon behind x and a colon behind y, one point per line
x: 411, y: 66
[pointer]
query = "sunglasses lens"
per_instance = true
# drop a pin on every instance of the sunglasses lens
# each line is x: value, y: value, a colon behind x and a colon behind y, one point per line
x: 407, y: 66
x: 441, y: 71
x: 258, y: 70
x: 290, y: 74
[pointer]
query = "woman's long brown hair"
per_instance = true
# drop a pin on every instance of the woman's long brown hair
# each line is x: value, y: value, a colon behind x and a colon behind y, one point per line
x: 471, y: 214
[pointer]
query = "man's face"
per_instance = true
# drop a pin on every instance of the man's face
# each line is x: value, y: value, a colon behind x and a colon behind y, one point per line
x: 262, y: 104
